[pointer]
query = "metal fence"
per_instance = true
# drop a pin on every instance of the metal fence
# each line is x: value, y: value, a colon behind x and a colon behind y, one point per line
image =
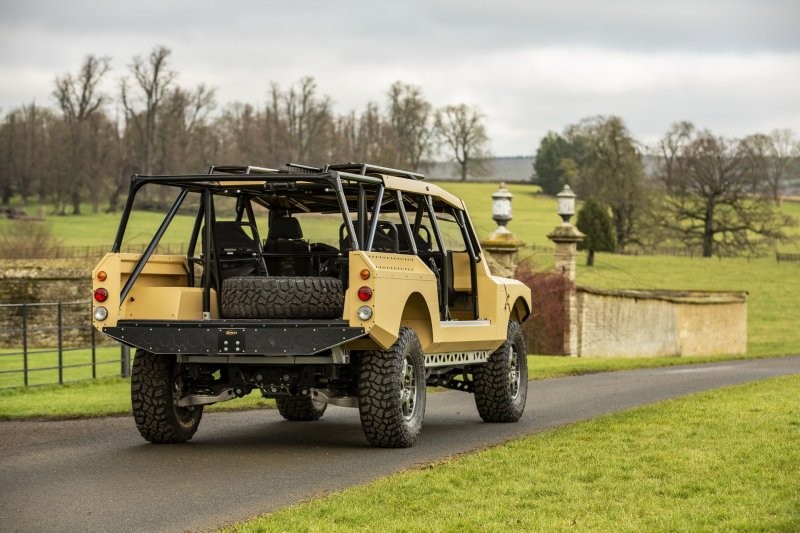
x: 54, y: 342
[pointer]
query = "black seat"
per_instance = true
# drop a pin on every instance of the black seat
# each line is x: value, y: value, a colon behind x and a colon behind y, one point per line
x: 284, y: 228
x: 287, y: 253
x: 238, y: 253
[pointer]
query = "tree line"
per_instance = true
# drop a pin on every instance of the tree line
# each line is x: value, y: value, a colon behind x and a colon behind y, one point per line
x: 85, y: 149
x: 693, y: 188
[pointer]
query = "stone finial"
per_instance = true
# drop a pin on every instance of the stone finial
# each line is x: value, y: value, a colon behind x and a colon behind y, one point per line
x: 502, y: 245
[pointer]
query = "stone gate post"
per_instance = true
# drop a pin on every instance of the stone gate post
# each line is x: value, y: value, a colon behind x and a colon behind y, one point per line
x: 566, y: 238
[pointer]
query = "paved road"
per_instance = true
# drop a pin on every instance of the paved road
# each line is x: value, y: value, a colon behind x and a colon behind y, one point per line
x: 99, y: 475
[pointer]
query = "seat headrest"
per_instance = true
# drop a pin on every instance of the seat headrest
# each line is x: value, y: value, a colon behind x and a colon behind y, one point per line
x: 284, y: 228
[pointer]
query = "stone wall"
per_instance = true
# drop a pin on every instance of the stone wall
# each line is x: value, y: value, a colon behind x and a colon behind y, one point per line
x: 641, y: 323
x: 37, y: 281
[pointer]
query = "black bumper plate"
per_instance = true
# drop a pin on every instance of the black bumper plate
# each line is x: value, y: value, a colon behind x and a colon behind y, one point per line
x: 235, y: 337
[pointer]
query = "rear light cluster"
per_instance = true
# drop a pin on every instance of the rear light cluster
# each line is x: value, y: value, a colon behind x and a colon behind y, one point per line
x: 365, y: 295
x: 100, y: 296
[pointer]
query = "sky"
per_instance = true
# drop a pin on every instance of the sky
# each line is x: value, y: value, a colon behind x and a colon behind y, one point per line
x: 531, y: 67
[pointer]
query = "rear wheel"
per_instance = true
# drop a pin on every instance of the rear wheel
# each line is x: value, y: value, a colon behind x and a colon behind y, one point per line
x: 501, y: 384
x: 156, y: 386
x: 300, y: 409
x: 391, y: 387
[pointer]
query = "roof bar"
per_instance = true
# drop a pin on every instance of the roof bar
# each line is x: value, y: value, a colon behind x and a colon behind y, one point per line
x: 363, y: 168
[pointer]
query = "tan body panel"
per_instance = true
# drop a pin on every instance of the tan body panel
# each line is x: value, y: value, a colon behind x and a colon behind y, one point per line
x: 160, y: 292
x: 405, y: 294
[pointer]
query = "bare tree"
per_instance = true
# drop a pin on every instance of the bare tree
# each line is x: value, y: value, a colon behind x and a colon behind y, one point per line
x: 309, y: 121
x: 124, y: 167
x: 373, y: 134
x: 460, y: 129
x: 79, y: 97
x: 183, y: 128
x: 784, y: 159
x: 708, y: 198
x: 80, y: 101
x: 152, y: 78
x: 28, y: 149
x: 237, y: 132
x: 411, y: 120
x: 6, y: 161
x: 363, y: 137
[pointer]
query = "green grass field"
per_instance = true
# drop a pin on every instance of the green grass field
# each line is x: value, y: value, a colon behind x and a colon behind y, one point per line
x: 725, y: 460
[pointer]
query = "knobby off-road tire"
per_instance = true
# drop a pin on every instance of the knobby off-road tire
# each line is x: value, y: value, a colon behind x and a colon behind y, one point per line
x: 155, y: 387
x: 391, y: 389
x: 282, y: 297
x: 300, y: 409
x: 501, y: 384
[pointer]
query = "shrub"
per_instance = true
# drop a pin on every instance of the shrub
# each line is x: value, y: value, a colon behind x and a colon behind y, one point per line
x: 546, y: 327
x: 28, y: 239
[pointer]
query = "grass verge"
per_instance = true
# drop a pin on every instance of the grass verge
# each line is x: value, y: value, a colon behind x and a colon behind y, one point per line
x: 721, y: 460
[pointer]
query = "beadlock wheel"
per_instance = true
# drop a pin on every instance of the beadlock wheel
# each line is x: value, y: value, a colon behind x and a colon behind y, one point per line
x: 391, y: 389
x: 501, y: 384
x: 156, y: 387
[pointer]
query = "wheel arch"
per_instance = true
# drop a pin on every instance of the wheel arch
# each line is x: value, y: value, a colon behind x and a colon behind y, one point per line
x: 417, y: 316
x: 520, y: 311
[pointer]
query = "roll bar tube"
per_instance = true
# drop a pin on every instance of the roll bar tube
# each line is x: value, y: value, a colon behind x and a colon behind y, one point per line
x: 153, y: 244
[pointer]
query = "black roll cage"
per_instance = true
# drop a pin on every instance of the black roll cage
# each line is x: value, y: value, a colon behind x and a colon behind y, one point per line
x: 249, y: 183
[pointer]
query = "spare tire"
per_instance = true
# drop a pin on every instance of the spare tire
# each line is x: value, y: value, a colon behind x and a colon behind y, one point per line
x: 282, y: 297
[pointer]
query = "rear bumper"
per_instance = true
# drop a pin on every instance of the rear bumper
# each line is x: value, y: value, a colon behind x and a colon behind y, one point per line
x: 235, y: 337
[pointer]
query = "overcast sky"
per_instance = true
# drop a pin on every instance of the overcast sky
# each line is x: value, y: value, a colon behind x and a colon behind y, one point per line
x: 531, y: 66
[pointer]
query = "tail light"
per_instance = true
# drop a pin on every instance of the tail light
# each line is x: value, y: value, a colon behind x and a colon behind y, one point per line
x: 364, y: 294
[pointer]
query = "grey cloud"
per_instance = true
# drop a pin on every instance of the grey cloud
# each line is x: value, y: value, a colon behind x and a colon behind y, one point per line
x: 452, y: 48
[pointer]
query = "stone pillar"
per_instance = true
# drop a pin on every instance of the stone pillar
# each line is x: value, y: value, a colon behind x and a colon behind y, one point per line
x: 502, y: 246
x: 502, y: 250
x: 566, y: 238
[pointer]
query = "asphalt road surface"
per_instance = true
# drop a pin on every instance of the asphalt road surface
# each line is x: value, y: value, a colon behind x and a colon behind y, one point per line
x: 99, y: 475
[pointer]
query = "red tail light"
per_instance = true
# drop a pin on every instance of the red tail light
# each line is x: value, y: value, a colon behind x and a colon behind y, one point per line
x: 364, y: 294
x: 101, y: 295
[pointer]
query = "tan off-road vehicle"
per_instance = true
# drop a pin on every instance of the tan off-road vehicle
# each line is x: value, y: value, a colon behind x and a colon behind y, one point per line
x: 369, y: 286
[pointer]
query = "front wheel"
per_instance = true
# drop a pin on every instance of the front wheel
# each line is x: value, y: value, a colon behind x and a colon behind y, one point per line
x: 391, y: 388
x: 501, y: 384
x: 156, y: 386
